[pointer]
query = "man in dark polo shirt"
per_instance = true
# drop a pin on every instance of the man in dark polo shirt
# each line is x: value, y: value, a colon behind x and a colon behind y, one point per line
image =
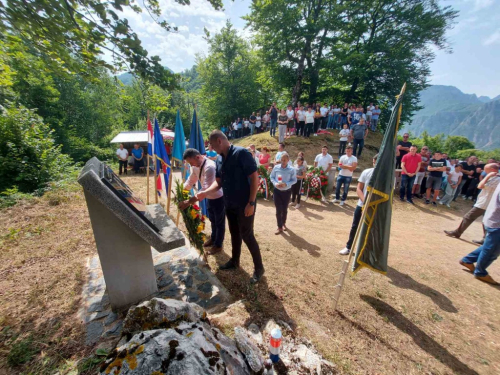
x: 237, y: 176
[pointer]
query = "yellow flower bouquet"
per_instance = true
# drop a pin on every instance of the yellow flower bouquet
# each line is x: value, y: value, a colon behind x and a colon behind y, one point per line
x: 193, y: 218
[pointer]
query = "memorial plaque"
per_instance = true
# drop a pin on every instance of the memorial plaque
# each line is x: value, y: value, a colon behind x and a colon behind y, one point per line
x: 124, y: 230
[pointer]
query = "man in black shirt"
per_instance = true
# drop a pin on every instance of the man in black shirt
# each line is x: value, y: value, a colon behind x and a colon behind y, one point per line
x: 237, y: 176
x: 404, y: 148
x: 468, y: 169
x: 273, y: 111
x: 253, y: 120
x: 437, y: 165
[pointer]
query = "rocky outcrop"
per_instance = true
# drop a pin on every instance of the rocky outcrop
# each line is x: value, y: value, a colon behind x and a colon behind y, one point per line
x: 174, y: 337
x: 249, y: 349
x: 161, y: 313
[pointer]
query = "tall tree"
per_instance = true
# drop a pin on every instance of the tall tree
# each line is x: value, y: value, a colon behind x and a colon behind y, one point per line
x: 63, y: 29
x: 229, y: 78
x: 293, y: 34
x: 362, y: 51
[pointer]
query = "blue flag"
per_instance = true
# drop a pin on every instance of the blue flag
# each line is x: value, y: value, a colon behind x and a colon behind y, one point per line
x: 162, y: 162
x: 196, y: 142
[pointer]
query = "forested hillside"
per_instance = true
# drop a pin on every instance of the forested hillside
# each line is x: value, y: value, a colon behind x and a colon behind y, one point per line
x: 449, y: 111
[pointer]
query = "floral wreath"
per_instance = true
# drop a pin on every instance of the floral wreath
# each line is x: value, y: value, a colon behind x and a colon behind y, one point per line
x: 265, y: 185
x: 315, y: 183
x: 193, y: 218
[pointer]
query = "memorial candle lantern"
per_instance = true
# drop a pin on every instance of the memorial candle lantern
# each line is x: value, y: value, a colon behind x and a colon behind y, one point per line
x: 275, y: 345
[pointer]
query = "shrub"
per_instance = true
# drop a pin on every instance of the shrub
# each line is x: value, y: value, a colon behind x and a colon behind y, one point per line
x: 29, y: 157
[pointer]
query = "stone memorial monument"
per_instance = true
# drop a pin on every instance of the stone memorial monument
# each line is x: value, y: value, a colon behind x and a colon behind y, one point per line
x: 124, y: 231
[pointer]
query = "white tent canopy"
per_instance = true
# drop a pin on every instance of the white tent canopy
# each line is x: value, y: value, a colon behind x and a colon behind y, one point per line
x: 138, y: 136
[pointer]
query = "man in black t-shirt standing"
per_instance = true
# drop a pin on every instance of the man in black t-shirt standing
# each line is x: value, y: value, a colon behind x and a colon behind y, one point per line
x: 273, y: 111
x: 404, y: 148
x: 468, y: 169
x: 237, y: 176
x: 437, y: 165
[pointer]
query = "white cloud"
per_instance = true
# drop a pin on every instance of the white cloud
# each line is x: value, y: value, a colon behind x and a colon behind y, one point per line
x: 482, y: 4
x: 492, y: 39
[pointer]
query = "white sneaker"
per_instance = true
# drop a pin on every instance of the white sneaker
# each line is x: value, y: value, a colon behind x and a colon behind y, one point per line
x: 335, y: 201
x: 342, y: 203
x: 344, y: 251
x: 323, y: 199
x: 448, y: 205
x: 438, y: 198
x: 297, y: 205
x: 441, y: 203
x: 291, y: 203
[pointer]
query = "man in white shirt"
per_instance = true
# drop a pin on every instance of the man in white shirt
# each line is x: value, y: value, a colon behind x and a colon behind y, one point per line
x: 252, y: 148
x: 203, y: 170
x: 325, y: 161
x: 361, y: 190
x: 324, y: 115
x: 487, y: 186
x: 347, y: 164
x: 122, y: 154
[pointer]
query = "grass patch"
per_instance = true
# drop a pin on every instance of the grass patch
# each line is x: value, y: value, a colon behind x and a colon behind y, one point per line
x: 21, y: 351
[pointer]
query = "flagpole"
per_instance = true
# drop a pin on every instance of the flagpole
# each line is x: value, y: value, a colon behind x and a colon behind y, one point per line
x: 340, y: 284
x: 170, y: 176
x: 183, y: 176
x: 343, y: 272
x: 155, y: 180
x: 147, y: 183
x: 147, y: 172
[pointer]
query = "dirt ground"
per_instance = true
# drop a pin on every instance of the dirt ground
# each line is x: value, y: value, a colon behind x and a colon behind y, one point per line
x: 426, y: 316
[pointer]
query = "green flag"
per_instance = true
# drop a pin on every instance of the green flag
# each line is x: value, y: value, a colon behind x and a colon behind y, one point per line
x: 372, y: 245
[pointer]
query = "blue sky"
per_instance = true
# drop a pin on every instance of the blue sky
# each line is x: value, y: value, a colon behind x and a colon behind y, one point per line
x: 475, y: 40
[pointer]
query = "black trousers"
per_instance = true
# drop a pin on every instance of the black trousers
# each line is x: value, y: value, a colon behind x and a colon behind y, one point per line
x: 123, y: 165
x: 472, y: 191
x: 355, y: 222
x: 241, y: 229
x: 138, y: 164
x: 300, y: 127
x: 308, y: 129
x: 324, y: 122
x: 296, y: 191
x: 342, y: 148
x: 217, y: 216
x: 317, y: 123
x: 281, y: 200
x: 357, y: 147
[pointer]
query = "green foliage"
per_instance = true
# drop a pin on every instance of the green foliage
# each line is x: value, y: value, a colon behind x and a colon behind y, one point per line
x: 481, y: 154
x: 21, y: 352
x: 28, y: 154
x: 455, y: 143
x: 66, y: 33
x: 360, y: 51
x: 228, y: 76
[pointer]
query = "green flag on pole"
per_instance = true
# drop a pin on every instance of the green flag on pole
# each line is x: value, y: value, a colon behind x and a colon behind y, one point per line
x: 372, y: 245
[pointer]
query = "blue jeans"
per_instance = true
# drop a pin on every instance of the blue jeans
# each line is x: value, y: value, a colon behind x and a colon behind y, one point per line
x: 406, y: 186
x: 336, y: 121
x: 217, y: 217
x: 272, y: 131
x: 484, y: 255
x: 342, y: 180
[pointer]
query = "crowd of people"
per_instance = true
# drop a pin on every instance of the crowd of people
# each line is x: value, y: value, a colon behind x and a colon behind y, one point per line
x: 306, y: 120
x: 230, y: 184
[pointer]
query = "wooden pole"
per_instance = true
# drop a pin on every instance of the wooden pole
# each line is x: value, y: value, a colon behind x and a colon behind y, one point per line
x: 154, y: 183
x: 147, y: 183
x: 183, y: 176
x: 169, y: 192
x: 340, y: 284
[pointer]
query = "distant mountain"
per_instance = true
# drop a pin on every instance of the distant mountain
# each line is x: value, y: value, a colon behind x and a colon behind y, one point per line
x: 448, y: 110
x: 127, y: 78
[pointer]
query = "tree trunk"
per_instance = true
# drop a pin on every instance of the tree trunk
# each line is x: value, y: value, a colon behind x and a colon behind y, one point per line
x: 352, y: 92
